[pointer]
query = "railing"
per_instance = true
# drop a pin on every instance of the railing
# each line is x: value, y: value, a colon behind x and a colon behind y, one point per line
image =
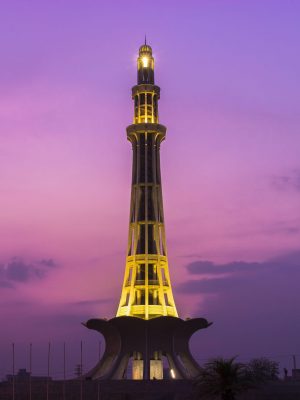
x: 142, y: 282
x: 153, y: 282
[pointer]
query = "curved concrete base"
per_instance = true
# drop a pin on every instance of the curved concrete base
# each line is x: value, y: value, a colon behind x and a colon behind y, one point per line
x: 125, y: 336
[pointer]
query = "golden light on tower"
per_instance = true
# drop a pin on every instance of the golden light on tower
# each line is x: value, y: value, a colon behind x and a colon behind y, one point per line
x: 146, y: 332
x: 147, y: 291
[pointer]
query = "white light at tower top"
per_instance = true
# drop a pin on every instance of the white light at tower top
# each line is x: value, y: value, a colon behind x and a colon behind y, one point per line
x: 145, y: 62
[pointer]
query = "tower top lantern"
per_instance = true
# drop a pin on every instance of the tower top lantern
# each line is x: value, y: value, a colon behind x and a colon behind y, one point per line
x: 145, y: 49
x: 145, y: 64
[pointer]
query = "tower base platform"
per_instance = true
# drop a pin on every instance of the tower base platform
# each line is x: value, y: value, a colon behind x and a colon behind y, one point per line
x: 146, y: 390
x: 141, y: 349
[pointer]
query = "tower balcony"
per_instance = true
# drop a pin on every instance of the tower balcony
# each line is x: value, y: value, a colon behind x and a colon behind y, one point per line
x: 154, y: 310
x: 151, y: 282
x: 142, y: 282
x: 131, y: 260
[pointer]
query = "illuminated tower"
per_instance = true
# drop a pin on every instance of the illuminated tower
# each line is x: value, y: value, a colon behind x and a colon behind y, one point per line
x: 146, y: 291
x: 146, y: 333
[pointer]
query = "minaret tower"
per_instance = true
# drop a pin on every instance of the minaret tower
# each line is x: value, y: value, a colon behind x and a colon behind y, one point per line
x: 146, y: 337
x: 146, y: 291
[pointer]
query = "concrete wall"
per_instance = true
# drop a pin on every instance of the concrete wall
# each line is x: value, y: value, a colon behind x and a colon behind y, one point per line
x: 130, y: 390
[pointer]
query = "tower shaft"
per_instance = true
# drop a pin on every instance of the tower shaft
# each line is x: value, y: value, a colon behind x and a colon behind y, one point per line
x: 147, y: 291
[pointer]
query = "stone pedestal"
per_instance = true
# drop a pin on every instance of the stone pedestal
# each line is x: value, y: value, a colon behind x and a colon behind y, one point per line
x: 127, y: 336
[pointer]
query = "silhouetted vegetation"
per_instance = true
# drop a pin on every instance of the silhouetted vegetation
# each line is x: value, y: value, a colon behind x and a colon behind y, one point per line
x: 225, y: 378
x: 262, y: 370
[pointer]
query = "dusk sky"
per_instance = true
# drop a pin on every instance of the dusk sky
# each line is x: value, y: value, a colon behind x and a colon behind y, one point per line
x: 230, y: 95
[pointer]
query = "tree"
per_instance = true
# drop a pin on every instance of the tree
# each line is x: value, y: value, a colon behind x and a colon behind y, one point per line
x: 222, y: 378
x: 262, y: 369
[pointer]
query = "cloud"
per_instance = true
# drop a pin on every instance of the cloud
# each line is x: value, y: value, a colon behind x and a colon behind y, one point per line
x: 208, y: 267
x: 94, y: 302
x: 255, y: 306
x: 237, y: 273
x: 48, y: 262
x: 19, y: 271
x: 4, y: 284
x: 287, y: 182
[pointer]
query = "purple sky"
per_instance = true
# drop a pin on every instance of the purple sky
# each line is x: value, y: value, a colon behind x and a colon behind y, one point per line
x: 229, y: 74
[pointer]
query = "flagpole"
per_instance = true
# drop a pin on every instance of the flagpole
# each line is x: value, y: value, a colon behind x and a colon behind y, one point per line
x: 81, y: 370
x: 48, y: 370
x: 64, y: 385
x: 98, y: 380
x: 30, y: 369
x: 13, y: 367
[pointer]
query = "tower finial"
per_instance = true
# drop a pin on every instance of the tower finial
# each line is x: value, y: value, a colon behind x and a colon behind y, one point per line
x: 145, y: 40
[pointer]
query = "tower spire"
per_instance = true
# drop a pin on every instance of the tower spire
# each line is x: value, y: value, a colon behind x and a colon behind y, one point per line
x: 147, y: 291
x: 145, y: 40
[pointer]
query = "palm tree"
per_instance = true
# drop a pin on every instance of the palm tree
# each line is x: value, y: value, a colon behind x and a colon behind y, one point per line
x: 222, y: 378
